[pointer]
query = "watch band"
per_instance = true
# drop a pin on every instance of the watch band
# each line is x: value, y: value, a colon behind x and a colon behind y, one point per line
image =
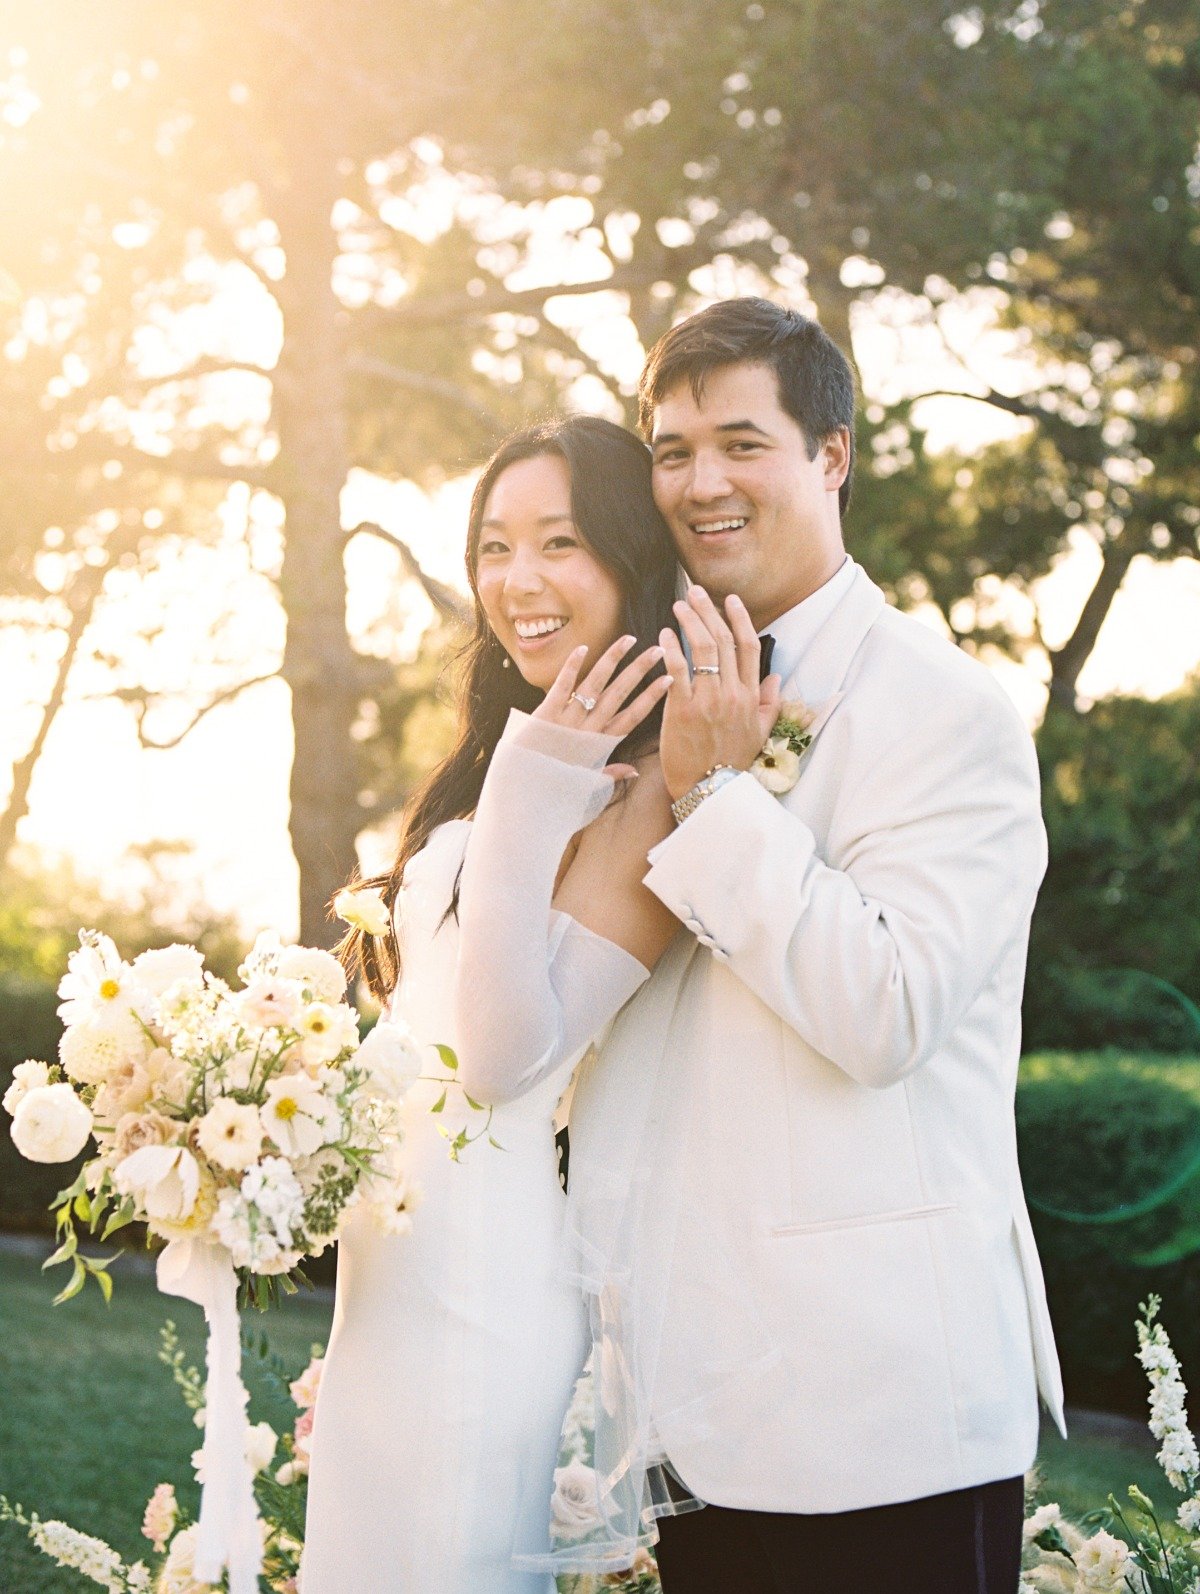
x: 712, y: 780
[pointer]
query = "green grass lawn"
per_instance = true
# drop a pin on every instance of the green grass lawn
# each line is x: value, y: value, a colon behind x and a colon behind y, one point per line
x: 90, y: 1421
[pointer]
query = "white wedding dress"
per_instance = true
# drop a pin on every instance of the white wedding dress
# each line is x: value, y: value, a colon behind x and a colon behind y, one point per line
x: 455, y: 1347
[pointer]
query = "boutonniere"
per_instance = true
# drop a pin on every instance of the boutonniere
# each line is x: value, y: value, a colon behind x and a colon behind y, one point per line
x: 777, y: 767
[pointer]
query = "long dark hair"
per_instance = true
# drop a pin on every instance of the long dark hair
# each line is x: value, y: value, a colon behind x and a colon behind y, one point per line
x: 615, y: 515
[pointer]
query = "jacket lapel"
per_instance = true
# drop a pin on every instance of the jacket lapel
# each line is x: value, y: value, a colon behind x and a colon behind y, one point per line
x: 817, y: 680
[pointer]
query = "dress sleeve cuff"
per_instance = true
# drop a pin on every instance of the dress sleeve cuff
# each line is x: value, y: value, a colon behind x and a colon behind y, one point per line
x: 587, y: 749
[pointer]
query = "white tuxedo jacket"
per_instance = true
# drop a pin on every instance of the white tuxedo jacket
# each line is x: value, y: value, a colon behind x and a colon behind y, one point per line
x: 849, y: 997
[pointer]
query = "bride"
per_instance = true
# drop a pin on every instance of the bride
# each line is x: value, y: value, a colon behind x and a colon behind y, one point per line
x: 455, y: 1347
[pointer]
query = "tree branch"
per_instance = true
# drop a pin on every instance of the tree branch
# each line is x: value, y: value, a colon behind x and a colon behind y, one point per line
x: 449, y: 604
x: 424, y: 382
x: 141, y: 704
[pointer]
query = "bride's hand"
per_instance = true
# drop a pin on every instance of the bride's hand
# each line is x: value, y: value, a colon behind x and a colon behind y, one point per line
x: 567, y: 702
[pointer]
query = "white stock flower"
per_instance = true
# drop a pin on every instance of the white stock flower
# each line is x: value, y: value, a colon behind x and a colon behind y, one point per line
x: 298, y: 1115
x: 317, y: 971
x: 161, y: 967
x: 575, y: 1503
x: 25, y: 1077
x: 97, y: 1561
x: 363, y: 909
x: 1178, y: 1456
x: 94, y: 1050
x: 230, y: 1134
x: 165, y: 1180
x: 776, y: 767
x: 391, y: 1057
x: 260, y: 1220
x: 51, y: 1124
x: 1101, y: 1563
x: 261, y: 1440
x: 1189, y: 1516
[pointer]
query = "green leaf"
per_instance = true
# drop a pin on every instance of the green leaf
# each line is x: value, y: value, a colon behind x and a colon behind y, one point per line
x: 439, y: 1103
x: 78, y: 1280
x: 471, y: 1102
x: 448, y: 1056
x: 72, y: 1190
x: 83, y: 1206
x: 492, y: 1141
x: 122, y: 1216
x: 105, y: 1282
x: 66, y: 1250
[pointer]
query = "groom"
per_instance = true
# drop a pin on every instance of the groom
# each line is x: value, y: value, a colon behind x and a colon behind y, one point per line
x: 849, y: 1004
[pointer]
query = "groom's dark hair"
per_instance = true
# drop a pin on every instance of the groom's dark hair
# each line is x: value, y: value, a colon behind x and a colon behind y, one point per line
x: 816, y: 383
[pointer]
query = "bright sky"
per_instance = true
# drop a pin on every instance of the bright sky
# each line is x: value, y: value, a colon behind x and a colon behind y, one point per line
x: 224, y: 790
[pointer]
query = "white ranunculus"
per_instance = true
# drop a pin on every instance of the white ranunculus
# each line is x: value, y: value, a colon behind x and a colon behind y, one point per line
x: 161, y: 967
x: 230, y: 1134
x: 164, y: 1179
x: 25, y: 1077
x: 261, y: 1440
x: 575, y: 1504
x: 391, y: 1057
x: 51, y: 1124
x: 363, y: 909
x: 317, y: 971
x: 777, y: 767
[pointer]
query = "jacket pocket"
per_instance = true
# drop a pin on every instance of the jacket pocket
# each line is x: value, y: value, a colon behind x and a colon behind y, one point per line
x: 903, y: 1215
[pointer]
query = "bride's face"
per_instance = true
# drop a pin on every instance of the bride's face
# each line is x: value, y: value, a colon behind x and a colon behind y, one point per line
x: 543, y: 591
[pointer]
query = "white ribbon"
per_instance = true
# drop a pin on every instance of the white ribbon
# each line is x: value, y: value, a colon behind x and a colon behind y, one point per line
x: 228, y: 1533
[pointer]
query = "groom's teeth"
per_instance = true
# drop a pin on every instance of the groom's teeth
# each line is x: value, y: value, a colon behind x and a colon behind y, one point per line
x: 532, y: 628
x: 705, y: 526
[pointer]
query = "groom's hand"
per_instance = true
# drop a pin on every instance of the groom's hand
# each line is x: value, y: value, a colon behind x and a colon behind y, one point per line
x: 718, y: 713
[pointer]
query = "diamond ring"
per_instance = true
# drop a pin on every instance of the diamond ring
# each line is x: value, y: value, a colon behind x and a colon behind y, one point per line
x: 587, y: 704
x: 706, y: 669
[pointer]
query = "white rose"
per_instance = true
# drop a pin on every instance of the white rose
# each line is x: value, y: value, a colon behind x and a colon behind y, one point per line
x: 391, y: 1057
x: 261, y: 1440
x: 25, y: 1077
x: 165, y: 1179
x: 575, y: 1504
x: 1101, y: 1563
x: 51, y: 1124
x: 319, y: 972
x: 363, y: 909
x: 160, y: 968
x: 230, y: 1134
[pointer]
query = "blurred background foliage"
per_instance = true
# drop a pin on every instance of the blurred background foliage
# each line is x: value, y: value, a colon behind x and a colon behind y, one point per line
x: 246, y: 251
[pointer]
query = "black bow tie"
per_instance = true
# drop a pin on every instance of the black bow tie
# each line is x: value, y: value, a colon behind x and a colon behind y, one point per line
x: 767, y: 642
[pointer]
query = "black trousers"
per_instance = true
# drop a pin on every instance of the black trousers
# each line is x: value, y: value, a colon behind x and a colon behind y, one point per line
x: 968, y: 1542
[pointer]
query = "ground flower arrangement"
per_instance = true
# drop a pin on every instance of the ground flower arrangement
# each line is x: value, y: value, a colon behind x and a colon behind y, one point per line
x: 1132, y: 1549
x: 279, y: 1464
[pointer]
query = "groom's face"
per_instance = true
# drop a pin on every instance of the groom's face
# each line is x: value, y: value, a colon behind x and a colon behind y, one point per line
x: 751, y: 513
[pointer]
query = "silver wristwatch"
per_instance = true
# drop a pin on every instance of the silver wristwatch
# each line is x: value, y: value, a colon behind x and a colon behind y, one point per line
x: 719, y: 775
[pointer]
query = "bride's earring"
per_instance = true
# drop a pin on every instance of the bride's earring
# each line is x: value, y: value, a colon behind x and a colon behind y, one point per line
x: 505, y: 662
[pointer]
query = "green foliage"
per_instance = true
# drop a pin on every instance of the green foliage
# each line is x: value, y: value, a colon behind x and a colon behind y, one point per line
x: 1121, y: 800
x: 1098, y: 1132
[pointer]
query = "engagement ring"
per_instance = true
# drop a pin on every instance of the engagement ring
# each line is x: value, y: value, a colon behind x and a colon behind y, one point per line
x: 706, y: 669
x: 587, y: 704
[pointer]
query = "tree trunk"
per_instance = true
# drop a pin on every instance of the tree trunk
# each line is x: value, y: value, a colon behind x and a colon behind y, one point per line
x: 82, y: 601
x: 1067, y: 661
x: 319, y: 664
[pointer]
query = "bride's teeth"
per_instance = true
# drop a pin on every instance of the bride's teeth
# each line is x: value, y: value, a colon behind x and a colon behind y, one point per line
x: 721, y: 525
x: 532, y: 628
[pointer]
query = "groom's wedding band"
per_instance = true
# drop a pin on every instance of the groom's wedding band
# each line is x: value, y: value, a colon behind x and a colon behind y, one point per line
x: 706, y: 669
x: 587, y: 704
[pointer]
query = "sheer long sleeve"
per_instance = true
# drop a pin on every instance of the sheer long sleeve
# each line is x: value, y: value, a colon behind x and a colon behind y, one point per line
x: 533, y: 985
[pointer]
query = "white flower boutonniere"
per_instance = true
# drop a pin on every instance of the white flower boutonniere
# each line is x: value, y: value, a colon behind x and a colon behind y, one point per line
x: 777, y: 767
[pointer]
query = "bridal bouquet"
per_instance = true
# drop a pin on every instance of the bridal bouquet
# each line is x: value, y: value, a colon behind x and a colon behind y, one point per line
x: 241, y: 1126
